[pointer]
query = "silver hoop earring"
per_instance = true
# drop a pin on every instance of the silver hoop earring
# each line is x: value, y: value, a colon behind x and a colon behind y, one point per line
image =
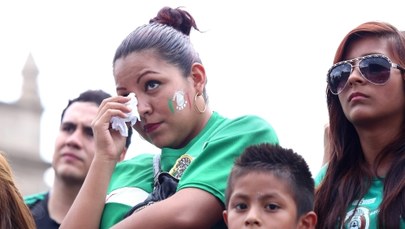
x: 198, y: 109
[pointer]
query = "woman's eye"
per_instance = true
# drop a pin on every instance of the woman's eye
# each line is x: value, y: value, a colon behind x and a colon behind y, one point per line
x: 152, y: 84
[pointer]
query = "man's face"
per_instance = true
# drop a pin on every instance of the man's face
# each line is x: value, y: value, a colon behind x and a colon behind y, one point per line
x: 74, y: 146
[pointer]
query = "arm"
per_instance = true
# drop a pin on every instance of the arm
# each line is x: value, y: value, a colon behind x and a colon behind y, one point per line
x: 89, y: 203
x: 88, y: 206
x: 199, y: 201
x: 182, y: 210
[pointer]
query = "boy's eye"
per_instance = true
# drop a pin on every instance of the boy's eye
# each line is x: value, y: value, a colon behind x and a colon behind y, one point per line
x: 241, y: 206
x: 272, y: 207
x: 152, y: 84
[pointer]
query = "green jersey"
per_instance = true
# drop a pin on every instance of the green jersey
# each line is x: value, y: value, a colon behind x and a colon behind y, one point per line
x: 204, y: 163
x: 366, y: 214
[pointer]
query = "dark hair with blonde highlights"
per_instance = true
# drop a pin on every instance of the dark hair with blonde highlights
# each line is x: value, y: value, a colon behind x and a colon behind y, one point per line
x: 348, y: 177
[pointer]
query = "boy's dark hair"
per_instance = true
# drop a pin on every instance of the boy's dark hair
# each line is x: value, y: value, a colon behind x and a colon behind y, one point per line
x: 282, y: 163
x: 94, y: 96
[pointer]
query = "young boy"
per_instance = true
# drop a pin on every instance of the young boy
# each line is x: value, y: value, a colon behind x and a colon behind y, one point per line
x: 270, y: 187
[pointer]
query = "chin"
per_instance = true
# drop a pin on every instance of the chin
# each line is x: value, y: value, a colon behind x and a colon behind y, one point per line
x: 71, y: 175
x: 159, y: 142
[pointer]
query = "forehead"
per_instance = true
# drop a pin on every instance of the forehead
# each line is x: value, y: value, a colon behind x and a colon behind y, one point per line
x: 147, y: 58
x: 365, y: 46
x: 81, y: 112
x: 264, y: 180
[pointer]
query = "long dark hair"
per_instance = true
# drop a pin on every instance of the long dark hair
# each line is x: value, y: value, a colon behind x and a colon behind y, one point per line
x: 348, y: 177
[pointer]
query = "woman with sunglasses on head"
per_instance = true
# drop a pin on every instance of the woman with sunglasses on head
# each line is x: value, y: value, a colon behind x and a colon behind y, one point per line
x: 158, y: 63
x: 363, y: 183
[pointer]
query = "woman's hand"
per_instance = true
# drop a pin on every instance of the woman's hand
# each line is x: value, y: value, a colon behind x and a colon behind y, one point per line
x: 109, y: 143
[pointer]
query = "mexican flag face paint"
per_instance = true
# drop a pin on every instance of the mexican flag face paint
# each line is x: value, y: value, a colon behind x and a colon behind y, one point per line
x: 178, y: 102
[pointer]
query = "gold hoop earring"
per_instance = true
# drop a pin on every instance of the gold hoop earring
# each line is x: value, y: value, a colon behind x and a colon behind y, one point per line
x: 197, y: 108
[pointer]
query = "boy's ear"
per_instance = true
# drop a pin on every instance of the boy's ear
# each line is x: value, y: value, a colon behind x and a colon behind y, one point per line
x: 225, y: 216
x: 308, y: 221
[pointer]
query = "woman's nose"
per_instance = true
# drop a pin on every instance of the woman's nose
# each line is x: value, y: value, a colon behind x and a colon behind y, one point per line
x: 143, y: 107
x: 355, y: 76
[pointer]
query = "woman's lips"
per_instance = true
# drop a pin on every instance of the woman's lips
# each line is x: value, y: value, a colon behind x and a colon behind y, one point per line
x: 356, y: 95
x: 148, y: 128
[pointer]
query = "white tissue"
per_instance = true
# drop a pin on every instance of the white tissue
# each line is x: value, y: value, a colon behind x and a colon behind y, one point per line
x: 118, y: 123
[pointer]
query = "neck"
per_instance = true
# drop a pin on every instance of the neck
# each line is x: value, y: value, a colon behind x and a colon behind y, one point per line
x: 61, y: 198
x: 373, y: 140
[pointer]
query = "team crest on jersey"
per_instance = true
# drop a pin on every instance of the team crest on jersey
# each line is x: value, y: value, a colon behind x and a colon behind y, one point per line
x: 180, y: 166
x: 359, y: 220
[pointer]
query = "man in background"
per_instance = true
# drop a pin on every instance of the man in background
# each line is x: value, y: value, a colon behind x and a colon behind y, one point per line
x: 73, y: 154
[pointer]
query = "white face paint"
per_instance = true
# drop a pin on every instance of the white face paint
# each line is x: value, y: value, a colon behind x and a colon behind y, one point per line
x: 180, y: 100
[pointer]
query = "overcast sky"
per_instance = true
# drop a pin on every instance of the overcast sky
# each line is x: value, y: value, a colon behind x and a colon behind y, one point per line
x: 267, y: 58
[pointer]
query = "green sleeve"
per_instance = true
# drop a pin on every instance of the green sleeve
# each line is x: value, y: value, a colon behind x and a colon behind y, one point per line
x: 31, y: 199
x: 130, y: 184
x: 321, y: 174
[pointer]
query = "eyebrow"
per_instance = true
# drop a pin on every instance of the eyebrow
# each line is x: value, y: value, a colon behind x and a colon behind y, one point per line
x: 138, y: 80
x: 148, y: 71
x: 70, y: 123
x: 262, y: 196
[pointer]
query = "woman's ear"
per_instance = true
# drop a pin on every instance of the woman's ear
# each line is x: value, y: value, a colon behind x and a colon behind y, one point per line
x: 198, y: 76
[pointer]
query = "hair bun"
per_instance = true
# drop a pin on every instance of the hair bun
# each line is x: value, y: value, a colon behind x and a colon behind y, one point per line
x: 177, y: 18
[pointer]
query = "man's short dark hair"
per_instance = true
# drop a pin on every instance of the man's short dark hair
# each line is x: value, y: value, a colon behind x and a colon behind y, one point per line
x: 96, y: 97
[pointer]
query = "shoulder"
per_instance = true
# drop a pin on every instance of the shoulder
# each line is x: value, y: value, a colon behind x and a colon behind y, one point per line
x: 321, y: 174
x: 35, y: 198
x: 241, y: 118
x: 139, y: 160
x: 251, y: 119
x: 135, y: 164
x: 133, y: 172
x: 247, y: 125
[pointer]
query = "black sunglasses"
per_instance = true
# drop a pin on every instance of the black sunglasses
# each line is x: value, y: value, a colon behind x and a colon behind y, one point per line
x: 375, y: 68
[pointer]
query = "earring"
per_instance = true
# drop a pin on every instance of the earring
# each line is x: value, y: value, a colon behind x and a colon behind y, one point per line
x: 202, y: 103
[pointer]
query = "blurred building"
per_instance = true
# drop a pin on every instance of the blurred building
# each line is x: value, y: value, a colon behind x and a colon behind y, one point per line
x: 20, y: 133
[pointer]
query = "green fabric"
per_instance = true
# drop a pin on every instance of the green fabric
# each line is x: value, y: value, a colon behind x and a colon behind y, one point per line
x: 130, y: 184
x: 321, y: 174
x: 367, y: 213
x: 212, y: 153
x: 31, y: 199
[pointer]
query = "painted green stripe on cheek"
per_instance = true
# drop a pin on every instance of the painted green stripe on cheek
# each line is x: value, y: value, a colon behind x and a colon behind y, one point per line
x: 170, y: 104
